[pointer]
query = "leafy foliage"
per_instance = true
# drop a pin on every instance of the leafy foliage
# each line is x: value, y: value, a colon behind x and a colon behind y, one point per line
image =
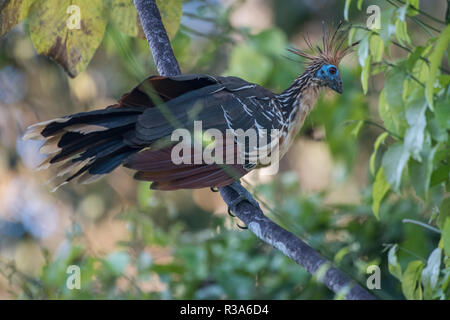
x: 74, y: 46
x: 413, y: 106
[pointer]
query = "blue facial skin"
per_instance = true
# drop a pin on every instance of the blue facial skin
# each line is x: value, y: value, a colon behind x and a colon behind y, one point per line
x: 329, y: 74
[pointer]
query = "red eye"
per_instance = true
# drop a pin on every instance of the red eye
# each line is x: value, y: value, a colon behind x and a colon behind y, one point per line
x: 333, y: 70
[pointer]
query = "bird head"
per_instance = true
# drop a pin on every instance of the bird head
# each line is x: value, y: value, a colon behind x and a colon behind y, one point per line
x: 323, y: 61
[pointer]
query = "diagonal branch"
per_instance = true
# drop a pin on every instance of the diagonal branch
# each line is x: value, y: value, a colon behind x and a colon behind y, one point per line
x: 253, y: 217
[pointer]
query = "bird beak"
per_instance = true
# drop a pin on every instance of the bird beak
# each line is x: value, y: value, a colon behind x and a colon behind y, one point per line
x: 337, y: 86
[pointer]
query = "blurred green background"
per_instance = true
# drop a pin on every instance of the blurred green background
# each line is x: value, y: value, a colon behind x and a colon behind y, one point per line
x: 131, y: 242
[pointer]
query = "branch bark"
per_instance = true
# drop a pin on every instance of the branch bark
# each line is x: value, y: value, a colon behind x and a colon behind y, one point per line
x: 253, y: 217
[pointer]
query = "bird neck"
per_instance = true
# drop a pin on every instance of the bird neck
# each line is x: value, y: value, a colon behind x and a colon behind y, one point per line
x: 301, y: 95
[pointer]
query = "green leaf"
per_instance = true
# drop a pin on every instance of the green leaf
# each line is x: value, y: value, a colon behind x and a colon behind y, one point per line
x: 378, y: 142
x: 414, y: 57
x: 394, y: 162
x: 413, y: 4
x: 401, y: 32
x: 411, y: 286
x: 442, y: 111
x: 415, y: 116
x: 359, y: 4
x: 376, y: 47
x: 420, y: 172
x: 379, y: 189
x: 435, y: 61
x: 392, y: 109
x: 12, y: 13
x: 394, y: 267
x: 444, y: 213
x: 363, y: 51
x: 446, y: 236
x: 430, y: 274
x: 72, y: 48
x: 365, y: 74
x: 346, y: 9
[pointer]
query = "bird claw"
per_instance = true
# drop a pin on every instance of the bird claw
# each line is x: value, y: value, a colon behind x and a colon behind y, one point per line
x: 244, y: 195
x: 241, y: 227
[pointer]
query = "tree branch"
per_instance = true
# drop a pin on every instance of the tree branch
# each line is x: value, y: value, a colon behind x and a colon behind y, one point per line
x: 157, y: 37
x: 253, y: 217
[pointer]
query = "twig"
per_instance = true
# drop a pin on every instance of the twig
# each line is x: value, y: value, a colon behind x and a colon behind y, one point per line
x: 424, y: 225
x: 253, y: 217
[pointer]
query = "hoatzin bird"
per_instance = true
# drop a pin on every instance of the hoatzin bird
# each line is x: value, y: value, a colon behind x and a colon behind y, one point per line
x: 131, y: 133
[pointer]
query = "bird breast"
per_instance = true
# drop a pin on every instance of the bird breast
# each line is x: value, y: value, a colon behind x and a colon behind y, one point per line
x: 302, y: 107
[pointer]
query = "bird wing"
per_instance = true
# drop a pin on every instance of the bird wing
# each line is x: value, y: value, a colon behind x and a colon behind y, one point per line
x: 221, y: 103
x: 176, y: 102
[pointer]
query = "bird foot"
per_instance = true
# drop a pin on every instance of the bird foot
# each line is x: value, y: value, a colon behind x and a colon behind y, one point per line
x: 244, y: 195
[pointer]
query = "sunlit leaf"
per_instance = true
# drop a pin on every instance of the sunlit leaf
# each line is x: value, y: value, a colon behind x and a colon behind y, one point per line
x: 415, y: 116
x: 365, y: 74
x: 420, y: 172
x: 394, y: 162
x: 347, y: 8
x: 411, y: 285
x: 376, y: 47
x: 435, y: 61
x: 430, y: 274
x: 446, y: 236
x: 378, y: 142
x: 13, y: 13
x: 53, y: 36
x: 379, y: 189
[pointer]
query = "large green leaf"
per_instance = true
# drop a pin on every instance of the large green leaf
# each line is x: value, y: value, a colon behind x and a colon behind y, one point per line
x: 394, y: 162
x: 12, y: 13
x: 379, y: 189
x: 420, y: 172
x: 430, y: 274
x: 72, y: 48
x: 435, y: 61
x: 391, y: 106
x: 415, y: 116
x: 411, y: 285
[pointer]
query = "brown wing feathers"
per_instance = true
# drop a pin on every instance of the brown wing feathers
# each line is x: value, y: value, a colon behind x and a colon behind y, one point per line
x: 91, y: 144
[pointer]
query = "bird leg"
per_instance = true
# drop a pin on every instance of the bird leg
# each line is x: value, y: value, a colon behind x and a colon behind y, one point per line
x: 243, y: 195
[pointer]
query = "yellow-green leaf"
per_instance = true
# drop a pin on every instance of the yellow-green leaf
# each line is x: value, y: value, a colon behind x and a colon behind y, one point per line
x: 378, y: 142
x: 365, y: 74
x: 12, y: 13
x: 68, y: 31
x: 379, y: 190
x: 411, y: 286
x: 446, y: 236
x: 435, y: 61
x: 346, y: 9
x: 376, y: 47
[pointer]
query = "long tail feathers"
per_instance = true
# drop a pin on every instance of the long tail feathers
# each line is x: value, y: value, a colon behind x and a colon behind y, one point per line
x: 86, y: 145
